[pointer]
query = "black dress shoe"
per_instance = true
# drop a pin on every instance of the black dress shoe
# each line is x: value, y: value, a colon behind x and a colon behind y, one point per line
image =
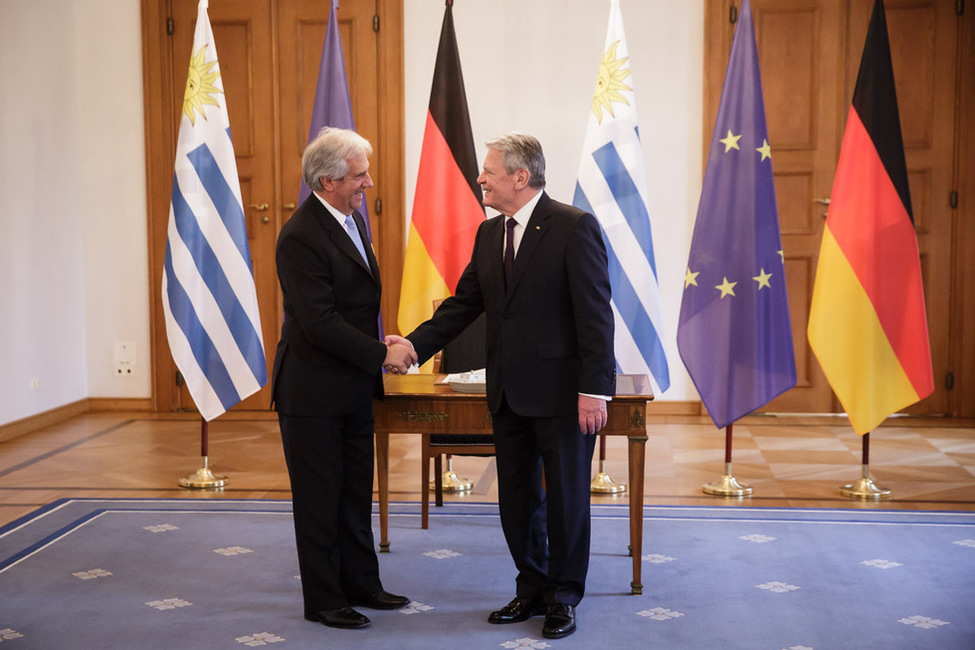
x: 345, y: 617
x: 560, y: 621
x: 519, y: 609
x: 382, y: 600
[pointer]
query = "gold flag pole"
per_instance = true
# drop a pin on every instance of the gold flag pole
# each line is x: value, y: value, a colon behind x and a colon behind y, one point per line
x: 603, y: 483
x: 203, y: 477
x: 727, y: 485
x: 865, y: 488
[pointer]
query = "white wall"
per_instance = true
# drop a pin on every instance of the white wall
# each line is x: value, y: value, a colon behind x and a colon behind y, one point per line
x: 73, y: 267
x: 73, y: 264
x: 42, y: 316
x: 113, y: 198
x: 531, y: 65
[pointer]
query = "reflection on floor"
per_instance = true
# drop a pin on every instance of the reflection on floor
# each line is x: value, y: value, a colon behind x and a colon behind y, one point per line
x: 789, y: 461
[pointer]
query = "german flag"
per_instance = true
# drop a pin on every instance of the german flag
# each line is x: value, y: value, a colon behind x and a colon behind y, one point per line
x: 867, y: 322
x: 447, y: 206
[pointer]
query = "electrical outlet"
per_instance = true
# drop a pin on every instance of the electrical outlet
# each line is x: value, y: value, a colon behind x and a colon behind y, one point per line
x: 123, y: 355
x: 35, y: 383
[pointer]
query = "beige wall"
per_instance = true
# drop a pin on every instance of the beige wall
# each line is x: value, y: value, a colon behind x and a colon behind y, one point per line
x: 72, y: 220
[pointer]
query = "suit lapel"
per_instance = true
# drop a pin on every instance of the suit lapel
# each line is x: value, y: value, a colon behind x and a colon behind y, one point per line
x: 340, y: 239
x: 493, y: 245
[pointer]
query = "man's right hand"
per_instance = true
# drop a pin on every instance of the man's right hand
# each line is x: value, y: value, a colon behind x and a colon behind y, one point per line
x: 400, y: 355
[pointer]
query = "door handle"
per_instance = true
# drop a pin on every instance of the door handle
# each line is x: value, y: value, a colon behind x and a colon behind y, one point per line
x: 823, y: 201
x: 288, y: 206
x: 260, y: 207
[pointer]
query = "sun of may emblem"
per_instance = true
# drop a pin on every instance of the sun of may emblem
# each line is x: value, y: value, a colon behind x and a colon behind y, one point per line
x: 610, y: 83
x: 199, y: 86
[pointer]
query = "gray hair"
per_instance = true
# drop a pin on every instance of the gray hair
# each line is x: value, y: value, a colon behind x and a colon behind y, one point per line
x: 328, y: 154
x: 521, y: 151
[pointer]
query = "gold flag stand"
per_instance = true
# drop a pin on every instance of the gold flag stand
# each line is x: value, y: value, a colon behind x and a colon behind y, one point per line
x: 603, y: 483
x: 727, y: 485
x: 203, y: 478
x: 450, y: 481
x: 865, y: 489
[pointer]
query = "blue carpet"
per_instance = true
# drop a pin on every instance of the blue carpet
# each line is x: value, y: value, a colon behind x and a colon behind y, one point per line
x: 208, y: 573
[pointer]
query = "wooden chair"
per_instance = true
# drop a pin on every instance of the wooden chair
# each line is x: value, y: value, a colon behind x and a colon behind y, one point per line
x: 466, y: 352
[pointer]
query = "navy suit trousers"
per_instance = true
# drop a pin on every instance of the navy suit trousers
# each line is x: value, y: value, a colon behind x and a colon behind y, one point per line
x: 546, y: 524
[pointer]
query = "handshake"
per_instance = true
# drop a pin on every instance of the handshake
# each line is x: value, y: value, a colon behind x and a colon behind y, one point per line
x: 400, y: 355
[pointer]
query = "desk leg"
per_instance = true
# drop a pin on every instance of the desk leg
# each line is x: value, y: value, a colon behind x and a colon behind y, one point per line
x: 637, y: 457
x: 382, y: 472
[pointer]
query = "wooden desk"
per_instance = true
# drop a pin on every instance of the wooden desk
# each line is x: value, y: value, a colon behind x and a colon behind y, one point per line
x: 417, y: 404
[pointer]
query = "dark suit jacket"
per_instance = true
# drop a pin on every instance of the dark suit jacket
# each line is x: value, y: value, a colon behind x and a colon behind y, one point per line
x: 550, y: 334
x: 329, y: 360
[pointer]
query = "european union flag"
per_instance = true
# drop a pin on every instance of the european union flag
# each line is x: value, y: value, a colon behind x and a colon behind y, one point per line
x: 734, y: 334
x: 333, y: 104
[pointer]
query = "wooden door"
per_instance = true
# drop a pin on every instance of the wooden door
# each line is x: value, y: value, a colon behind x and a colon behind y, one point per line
x: 809, y: 53
x: 269, y: 53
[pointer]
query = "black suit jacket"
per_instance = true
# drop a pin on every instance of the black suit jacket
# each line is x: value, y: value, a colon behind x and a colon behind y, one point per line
x: 329, y: 360
x: 550, y: 334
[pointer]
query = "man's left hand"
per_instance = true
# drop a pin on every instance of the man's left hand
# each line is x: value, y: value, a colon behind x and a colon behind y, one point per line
x: 592, y: 414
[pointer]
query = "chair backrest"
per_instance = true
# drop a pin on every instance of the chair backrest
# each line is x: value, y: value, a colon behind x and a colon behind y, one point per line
x: 469, y: 350
x: 466, y: 352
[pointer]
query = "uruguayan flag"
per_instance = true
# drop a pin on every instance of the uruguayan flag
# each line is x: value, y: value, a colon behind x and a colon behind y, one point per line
x: 612, y: 186
x: 212, y: 319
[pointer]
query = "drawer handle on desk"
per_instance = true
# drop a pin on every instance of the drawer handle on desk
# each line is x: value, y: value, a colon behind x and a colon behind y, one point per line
x: 422, y: 416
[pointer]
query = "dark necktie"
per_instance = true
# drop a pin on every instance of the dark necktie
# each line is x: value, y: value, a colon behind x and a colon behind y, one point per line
x: 509, y: 250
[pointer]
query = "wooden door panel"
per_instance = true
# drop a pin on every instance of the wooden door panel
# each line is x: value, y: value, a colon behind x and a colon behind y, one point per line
x: 794, y: 194
x: 799, y: 273
x: 913, y: 51
x: 246, y: 30
x: 787, y: 37
x: 798, y: 43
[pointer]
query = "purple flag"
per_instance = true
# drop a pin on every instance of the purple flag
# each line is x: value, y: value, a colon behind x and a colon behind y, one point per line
x: 333, y: 106
x: 734, y: 334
